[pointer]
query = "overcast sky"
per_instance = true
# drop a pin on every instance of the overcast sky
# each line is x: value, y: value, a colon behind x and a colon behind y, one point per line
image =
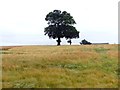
x: 22, y: 22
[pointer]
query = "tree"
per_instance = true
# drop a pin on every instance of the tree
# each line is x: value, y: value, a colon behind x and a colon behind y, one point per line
x: 85, y: 42
x: 69, y: 41
x: 60, y: 25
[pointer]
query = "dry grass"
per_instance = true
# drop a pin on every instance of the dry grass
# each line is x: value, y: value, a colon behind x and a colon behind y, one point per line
x: 7, y: 47
x: 87, y: 66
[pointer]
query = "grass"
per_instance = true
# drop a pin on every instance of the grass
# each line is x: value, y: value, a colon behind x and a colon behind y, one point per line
x: 82, y: 66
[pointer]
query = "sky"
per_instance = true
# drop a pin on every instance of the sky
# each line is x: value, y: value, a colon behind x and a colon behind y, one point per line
x: 22, y: 22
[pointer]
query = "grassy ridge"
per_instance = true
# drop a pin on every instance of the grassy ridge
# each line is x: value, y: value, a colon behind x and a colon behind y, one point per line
x: 88, y: 66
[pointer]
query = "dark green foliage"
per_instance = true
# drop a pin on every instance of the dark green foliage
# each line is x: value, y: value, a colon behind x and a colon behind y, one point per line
x: 85, y: 42
x: 60, y: 25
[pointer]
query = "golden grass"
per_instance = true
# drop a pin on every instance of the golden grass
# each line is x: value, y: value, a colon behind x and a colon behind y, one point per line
x: 87, y: 66
x: 7, y: 47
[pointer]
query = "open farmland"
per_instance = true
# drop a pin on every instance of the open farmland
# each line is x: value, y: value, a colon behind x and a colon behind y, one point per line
x: 82, y: 66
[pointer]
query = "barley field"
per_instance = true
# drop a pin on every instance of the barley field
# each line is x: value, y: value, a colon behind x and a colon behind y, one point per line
x: 75, y: 66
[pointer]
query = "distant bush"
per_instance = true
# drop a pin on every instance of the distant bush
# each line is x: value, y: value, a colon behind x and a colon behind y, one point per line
x: 84, y: 42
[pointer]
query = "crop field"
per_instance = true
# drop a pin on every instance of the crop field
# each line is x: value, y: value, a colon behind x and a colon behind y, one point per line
x: 75, y: 66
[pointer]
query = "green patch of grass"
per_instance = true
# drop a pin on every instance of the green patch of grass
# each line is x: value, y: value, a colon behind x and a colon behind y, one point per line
x: 101, y: 50
x: 25, y: 83
x: 70, y: 66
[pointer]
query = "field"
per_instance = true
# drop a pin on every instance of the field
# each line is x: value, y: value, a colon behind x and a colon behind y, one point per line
x: 80, y: 66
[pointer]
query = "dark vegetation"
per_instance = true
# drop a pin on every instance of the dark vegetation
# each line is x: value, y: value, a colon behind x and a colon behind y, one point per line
x: 85, y: 42
x: 60, y: 25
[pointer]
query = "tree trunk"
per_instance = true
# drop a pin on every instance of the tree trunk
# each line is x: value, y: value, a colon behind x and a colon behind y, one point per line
x: 58, y: 41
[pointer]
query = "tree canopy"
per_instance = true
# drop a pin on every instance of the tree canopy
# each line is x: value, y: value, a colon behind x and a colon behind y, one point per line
x: 60, y: 24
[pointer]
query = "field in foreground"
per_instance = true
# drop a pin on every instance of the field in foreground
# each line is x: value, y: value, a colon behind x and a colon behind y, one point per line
x: 87, y: 66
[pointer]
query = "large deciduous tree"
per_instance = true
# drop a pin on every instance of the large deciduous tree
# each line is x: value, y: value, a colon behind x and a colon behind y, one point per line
x: 60, y: 24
